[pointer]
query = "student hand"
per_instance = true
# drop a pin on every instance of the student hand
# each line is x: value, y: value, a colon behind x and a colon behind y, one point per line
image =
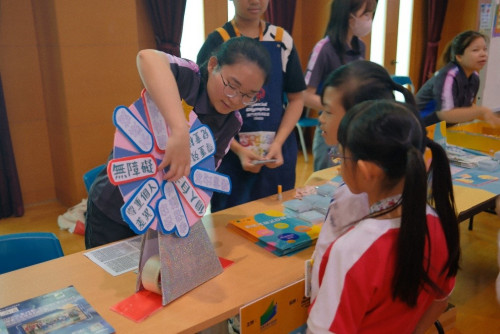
x: 274, y: 153
x: 177, y: 155
x: 246, y: 158
x: 489, y: 116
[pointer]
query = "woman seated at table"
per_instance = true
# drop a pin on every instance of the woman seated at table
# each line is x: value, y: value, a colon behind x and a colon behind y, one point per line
x: 450, y: 94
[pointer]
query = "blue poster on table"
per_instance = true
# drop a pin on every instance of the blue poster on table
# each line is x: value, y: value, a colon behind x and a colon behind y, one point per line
x: 61, y: 311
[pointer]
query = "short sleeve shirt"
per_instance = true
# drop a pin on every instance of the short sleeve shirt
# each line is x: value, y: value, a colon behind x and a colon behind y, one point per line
x: 355, y: 280
x: 324, y: 59
x: 192, y: 90
x: 448, y: 89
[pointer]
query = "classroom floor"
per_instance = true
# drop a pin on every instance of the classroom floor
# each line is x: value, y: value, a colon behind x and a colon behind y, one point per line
x: 474, y: 294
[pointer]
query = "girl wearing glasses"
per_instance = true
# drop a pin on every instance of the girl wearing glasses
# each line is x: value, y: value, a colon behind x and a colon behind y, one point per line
x: 344, y: 88
x: 264, y: 154
x: 173, y: 82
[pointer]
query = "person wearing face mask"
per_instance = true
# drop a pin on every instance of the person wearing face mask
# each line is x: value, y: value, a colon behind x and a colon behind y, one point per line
x: 450, y: 94
x: 362, y: 26
x: 349, y: 20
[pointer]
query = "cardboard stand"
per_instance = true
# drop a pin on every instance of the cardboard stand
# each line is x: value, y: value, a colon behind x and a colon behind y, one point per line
x: 185, y: 263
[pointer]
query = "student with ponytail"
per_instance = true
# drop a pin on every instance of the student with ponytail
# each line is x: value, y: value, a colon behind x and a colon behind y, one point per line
x: 379, y: 221
x: 350, y: 20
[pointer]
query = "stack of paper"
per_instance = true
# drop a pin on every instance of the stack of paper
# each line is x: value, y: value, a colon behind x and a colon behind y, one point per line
x: 463, y: 157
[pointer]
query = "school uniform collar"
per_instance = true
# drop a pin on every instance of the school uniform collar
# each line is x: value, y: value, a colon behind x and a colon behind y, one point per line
x: 462, y: 72
x: 262, y: 28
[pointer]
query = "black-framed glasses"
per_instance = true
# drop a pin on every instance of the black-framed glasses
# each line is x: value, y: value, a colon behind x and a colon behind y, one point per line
x: 231, y: 92
x: 336, y: 154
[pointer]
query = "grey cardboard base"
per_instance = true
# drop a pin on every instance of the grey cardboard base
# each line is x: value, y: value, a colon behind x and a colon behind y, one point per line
x: 185, y: 262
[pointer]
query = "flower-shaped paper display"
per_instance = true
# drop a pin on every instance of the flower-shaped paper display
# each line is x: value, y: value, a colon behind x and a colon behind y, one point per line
x: 150, y: 201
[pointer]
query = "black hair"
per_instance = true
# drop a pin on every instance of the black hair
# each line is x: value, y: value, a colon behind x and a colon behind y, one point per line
x: 459, y: 43
x: 239, y: 49
x: 338, y: 24
x: 391, y: 135
x: 363, y: 80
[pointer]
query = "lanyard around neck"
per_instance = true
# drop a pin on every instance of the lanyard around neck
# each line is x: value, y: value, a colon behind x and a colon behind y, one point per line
x: 379, y: 209
x: 238, y: 34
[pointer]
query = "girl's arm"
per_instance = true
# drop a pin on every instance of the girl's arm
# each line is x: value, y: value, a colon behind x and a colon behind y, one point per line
x: 447, y: 96
x: 157, y: 77
x: 290, y: 118
x: 311, y: 99
x: 467, y: 114
x: 431, y: 315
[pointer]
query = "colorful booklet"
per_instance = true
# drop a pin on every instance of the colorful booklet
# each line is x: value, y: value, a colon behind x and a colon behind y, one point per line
x: 61, y: 311
x: 281, y: 311
x: 277, y: 232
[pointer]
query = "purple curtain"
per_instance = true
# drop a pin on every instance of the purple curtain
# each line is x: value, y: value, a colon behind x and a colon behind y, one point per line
x: 11, y: 200
x: 167, y: 17
x: 436, y: 11
x: 281, y: 13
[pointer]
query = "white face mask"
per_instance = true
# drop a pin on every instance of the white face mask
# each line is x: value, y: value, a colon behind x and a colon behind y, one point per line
x: 361, y: 26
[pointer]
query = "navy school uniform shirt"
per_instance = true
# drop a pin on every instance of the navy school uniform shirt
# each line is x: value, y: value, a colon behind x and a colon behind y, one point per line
x: 192, y: 89
x: 448, y: 89
x: 324, y: 59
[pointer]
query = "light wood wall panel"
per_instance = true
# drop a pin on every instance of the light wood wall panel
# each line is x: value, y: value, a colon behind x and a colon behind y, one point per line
x: 461, y: 15
x: 22, y: 84
x: 310, y: 26
x: 74, y: 62
x: 215, y: 14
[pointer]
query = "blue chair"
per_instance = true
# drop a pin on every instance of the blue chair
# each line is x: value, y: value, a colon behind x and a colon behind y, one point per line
x: 305, y: 122
x: 404, y: 81
x: 89, y: 177
x: 19, y: 250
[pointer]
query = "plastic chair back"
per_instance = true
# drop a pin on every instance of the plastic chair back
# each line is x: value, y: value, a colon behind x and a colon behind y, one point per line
x: 19, y: 250
x: 404, y: 81
x: 304, y: 122
x: 89, y: 177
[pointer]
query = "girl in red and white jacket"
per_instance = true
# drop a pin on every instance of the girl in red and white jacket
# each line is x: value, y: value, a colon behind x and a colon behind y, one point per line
x: 391, y: 268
